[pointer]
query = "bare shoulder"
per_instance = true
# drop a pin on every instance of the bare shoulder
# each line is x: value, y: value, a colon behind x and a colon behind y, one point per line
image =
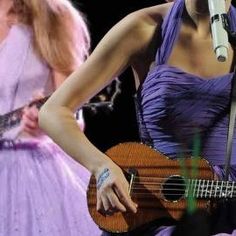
x: 138, y: 25
x: 142, y: 27
x: 133, y: 33
x: 145, y: 25
x: 142, y: 24
x: 151, y: 15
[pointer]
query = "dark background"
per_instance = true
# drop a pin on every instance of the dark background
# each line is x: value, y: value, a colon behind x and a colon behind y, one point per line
x: 102, y: 15
x: 104, y: 127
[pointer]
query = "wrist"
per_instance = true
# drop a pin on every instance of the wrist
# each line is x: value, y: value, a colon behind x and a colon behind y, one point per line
x: 101, y: 165
x: 103, y: 175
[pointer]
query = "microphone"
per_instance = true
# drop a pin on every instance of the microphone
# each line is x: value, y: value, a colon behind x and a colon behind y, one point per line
x: 219, y: 34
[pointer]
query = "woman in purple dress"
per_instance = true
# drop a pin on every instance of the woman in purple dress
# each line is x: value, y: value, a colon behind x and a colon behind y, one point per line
x: 43, y: 189
x: 181, y: 89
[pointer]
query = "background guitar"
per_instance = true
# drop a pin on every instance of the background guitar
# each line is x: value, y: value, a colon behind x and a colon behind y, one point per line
x: 158, y: 187
x: 13, y: 118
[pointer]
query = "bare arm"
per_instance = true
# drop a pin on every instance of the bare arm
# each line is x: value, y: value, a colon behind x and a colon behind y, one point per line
x: 114, y: 53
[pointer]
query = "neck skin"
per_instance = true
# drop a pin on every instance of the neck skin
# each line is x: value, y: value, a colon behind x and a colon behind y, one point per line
x: 197, y: 13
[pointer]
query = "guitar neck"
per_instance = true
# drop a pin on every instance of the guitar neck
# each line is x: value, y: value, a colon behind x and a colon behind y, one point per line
x: 208, y: 189
x: 13, y: 118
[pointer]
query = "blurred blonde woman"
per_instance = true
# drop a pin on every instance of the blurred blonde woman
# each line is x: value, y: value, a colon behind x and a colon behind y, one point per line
x: 43, y: 189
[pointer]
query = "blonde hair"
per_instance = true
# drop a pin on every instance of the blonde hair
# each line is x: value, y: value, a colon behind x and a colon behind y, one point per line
x: 61, y: 36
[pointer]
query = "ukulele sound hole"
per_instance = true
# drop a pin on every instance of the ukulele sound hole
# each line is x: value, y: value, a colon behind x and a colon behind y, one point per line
x: 174, y: 188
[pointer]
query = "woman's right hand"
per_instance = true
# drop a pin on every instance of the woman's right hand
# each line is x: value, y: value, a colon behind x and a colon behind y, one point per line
x: 113, y: 191
x: 29, y: 126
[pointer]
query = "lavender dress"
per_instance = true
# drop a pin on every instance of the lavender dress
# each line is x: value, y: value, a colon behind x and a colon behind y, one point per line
x: 173, y: 105
x: 43, y: 191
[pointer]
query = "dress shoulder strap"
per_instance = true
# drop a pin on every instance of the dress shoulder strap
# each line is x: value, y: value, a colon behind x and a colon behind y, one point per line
x: 169, y: 31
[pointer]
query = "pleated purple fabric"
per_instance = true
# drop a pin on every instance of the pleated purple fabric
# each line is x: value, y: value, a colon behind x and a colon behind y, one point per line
x: 173, y: 106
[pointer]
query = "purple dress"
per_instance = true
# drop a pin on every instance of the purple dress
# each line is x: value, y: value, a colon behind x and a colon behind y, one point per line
x: 43, y: 191
x: 173, y: 105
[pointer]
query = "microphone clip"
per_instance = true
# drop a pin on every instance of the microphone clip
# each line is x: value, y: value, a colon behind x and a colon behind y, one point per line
x: 226, y: 25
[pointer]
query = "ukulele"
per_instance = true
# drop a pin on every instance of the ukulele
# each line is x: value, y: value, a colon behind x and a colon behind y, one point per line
x: 158, y: 186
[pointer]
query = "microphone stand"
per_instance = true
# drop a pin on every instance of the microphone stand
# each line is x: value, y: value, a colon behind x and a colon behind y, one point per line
x: 222, y: 217
x: 232, y: 40
x: 220, y: 220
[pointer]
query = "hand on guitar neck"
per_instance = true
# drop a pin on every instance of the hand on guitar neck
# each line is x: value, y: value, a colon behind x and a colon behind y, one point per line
x: 28, y: 120
x: 23, y: 122
x: 29, y: 123
x: 28, y: 116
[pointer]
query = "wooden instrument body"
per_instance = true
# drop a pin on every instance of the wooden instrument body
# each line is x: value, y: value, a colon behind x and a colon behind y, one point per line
x: 152, y: 205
